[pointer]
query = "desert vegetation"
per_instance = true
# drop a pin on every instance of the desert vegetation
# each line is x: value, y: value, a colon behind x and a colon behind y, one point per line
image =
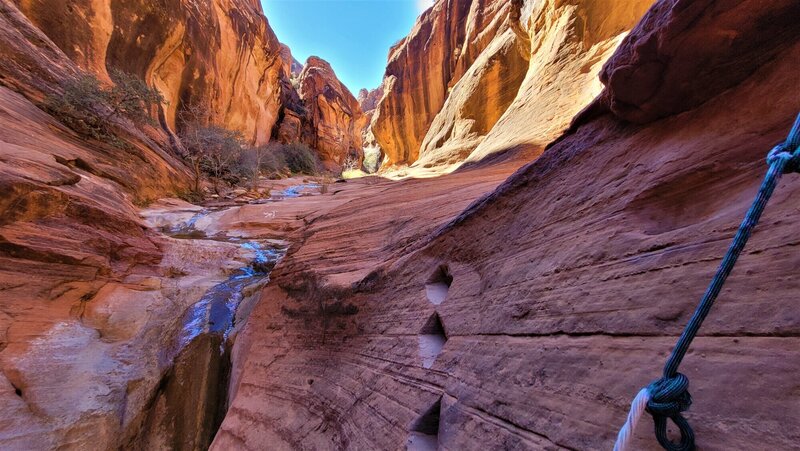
x: 214, y: 152
x: 295, y: 158
x: 224, y: 157
x: 90, y: 107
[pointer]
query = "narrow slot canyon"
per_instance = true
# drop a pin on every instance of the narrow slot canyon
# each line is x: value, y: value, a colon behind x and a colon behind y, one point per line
x: 422, y: 225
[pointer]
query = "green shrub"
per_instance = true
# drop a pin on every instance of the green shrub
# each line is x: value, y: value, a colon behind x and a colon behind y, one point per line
x: 300, y: 159
x: 89, y: 108
x: 78, y: 107
x: 282, y: 159
x: 132, y: 98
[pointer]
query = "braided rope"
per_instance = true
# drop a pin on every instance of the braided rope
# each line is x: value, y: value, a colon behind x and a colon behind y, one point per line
x: 669, y: 396
x: 637, y: 409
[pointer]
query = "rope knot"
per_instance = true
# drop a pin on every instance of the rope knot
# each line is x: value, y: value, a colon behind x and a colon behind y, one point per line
x: 783, y: 152
x: 788, y: 150
x: 669, y: 396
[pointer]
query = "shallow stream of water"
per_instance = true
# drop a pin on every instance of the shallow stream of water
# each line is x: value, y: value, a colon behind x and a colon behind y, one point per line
x: 194, y: 390
x: 215, y: 312
x: 306, y: 189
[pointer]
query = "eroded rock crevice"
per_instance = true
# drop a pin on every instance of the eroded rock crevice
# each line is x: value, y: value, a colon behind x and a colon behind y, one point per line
x: 438, y: 285
x: 190, y: 401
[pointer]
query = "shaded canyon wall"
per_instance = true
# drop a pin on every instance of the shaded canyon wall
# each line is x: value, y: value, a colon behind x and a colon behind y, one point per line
x: 219, y: 57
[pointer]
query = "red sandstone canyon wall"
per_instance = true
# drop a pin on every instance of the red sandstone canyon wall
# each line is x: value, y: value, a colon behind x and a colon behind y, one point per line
x: 90, y: 296
x: 567, y: 286
x: 473, y: 77
x: 221, y: 56
x: 334, y: 115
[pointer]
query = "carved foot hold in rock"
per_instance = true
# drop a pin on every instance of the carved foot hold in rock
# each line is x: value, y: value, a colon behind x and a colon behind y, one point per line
x: 431, y: 340
x: 424, y: 434
x: 438, y: 285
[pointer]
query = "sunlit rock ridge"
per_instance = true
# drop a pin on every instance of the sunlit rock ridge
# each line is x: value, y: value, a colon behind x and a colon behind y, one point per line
x: 474, y: 78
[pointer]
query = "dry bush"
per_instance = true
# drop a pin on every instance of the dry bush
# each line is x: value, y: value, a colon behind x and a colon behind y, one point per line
x: 213, y: 151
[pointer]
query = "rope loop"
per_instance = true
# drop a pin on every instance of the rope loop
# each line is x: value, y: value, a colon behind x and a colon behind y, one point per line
x: 669, y: 397
x: 687, y: 435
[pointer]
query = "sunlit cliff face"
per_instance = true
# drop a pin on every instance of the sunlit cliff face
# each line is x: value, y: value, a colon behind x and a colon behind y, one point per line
x: 505, y: 60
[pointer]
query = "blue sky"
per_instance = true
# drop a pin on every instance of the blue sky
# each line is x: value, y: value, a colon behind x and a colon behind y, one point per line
x: 353, y: 35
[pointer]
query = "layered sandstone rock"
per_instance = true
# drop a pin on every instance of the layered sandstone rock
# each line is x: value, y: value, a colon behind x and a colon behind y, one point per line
x: 33, y: 68
x: 423, y: 67
x: 294, y: 123
x: 220, y: 56
x: 703, y: 49
x: 291, y: 66
x: 90, y: 298
x: 503, y: 62
x: 559, y: 295
x: 373, y: 155
x: 568, y: 44
x: 477, y: 98
x: 368, y: 100
x: 334, y: 114
x: 85, y: 318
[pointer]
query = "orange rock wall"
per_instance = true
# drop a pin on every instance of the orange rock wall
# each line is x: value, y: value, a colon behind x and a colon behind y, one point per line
x: 334, y: 115
x: 568, y: 44
x: 219, y: 55
x: 443, y: 44
x: 503, y: 61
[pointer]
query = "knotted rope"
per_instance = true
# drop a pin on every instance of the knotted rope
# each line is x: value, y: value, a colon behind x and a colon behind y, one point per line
x: 667, y: 397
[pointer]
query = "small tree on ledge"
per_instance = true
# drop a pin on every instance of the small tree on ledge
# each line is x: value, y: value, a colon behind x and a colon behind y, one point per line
x: 89, y: 108
x: 132, y: 98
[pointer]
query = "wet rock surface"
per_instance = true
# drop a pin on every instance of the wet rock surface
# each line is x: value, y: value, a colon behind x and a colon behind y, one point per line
x: 138, y: 358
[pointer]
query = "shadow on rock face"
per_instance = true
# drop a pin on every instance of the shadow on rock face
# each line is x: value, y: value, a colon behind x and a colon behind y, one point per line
x: 190, y: 402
